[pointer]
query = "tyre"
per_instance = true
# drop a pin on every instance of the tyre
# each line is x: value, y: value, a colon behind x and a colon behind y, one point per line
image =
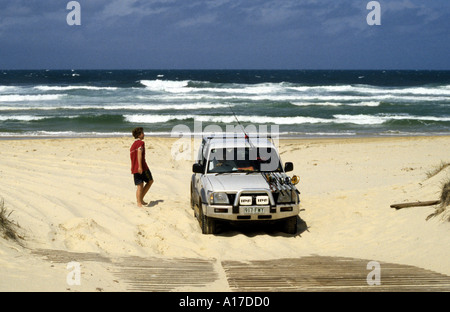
x: 207, y: 224
x: 290, y: 225
x: 192, y: 198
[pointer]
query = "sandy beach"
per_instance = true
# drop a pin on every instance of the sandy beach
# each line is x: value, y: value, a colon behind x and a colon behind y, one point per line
x: 75, y: 199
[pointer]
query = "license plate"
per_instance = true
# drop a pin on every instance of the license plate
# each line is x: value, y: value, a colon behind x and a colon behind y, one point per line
x: 253, y: 210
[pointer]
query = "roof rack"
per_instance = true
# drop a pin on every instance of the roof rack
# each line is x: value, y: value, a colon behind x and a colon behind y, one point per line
x: 236, y: 135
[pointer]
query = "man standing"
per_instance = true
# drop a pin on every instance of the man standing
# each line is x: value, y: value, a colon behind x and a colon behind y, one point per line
x: 139, y: 167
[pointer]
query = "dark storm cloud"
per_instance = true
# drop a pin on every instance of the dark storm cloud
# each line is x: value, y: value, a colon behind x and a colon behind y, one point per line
x: 224, y: 34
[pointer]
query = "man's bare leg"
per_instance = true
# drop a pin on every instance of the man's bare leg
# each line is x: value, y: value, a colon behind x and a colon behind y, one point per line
x: 145, y: 190
x: 139, y: 194
x: 141, y: 191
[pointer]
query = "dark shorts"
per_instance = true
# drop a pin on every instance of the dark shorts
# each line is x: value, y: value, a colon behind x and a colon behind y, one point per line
x: 146, y: 176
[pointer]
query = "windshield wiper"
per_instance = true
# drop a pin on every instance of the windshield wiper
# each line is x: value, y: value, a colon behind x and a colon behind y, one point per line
x: 225, y: 172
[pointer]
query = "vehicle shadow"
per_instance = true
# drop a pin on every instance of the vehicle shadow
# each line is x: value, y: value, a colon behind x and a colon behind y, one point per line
x: 226, y: 229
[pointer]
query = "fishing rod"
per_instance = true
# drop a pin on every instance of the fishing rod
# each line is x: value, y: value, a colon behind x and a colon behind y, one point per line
x: 269, y: 181
x: 243, y: 130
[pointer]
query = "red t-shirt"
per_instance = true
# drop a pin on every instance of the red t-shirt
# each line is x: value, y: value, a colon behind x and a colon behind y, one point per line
x: 137, y: 145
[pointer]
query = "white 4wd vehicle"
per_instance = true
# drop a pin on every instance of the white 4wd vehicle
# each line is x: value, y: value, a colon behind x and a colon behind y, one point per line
x: 240, y: 179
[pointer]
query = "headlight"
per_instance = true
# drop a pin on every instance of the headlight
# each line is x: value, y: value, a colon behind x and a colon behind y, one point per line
x: 219, y: 198
x: 287, y: 197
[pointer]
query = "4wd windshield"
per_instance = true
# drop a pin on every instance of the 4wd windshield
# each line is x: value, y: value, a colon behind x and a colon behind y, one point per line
x: 227, y: 160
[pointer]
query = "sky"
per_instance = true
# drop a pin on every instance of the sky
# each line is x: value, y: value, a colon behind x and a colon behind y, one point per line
x: 224, y: 34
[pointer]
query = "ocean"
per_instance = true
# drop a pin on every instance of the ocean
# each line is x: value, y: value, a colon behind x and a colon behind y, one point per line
x: 299, y: 103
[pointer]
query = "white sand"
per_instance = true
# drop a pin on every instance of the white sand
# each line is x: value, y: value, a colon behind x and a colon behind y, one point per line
x: 78, y: 195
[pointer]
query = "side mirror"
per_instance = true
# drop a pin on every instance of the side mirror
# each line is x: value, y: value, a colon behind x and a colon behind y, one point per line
x: 197, y: 168
x: 288, y: 167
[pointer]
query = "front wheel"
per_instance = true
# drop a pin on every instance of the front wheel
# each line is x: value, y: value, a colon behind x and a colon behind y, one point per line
x: 192, y: 198
x: 207, y: 224
x: 290, y: 225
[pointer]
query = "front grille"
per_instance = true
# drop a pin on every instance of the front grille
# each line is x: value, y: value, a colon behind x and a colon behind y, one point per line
x: 231, y: 198
x: 275, y: 196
